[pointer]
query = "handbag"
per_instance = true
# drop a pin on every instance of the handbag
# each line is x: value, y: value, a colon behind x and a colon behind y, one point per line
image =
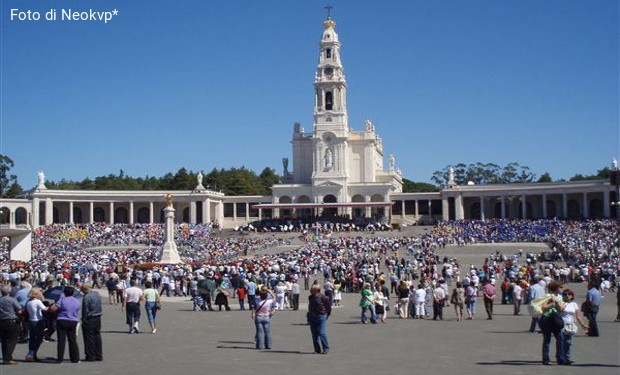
x: 157, y: 305
x: 570, y: 328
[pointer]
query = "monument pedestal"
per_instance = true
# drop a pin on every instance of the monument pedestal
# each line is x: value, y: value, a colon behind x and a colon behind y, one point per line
x: 169, y: 253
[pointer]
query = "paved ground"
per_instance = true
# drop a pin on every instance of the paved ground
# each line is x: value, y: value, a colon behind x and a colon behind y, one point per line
x: 222, y: 342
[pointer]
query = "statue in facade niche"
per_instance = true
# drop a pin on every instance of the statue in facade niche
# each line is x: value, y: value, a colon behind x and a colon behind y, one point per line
x: 329, y: 159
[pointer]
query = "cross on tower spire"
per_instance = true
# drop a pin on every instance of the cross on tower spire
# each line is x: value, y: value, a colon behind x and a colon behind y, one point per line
x: 329, y: 9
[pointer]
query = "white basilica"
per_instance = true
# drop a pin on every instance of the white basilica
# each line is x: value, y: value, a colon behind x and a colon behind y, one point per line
x: 335, y: 171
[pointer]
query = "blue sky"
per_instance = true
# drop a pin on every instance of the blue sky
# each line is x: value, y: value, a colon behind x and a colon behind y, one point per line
x: 205, y: 84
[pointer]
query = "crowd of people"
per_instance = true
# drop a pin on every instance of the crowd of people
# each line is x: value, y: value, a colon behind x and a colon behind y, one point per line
x: 405, y: 270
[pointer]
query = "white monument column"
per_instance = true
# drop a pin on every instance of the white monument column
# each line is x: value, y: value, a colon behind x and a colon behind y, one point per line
x: 586, y: 214
x: 544, y: 206
x: 70, y: 212
x: 247, y: 211
x: 169, y: 253
x: 445, y: 209
x: 235, y: 211
x: 402, y: 208
x: 482, y: 215
x: 91, y: 212
x: 523, y: 207
x: 150, y: 212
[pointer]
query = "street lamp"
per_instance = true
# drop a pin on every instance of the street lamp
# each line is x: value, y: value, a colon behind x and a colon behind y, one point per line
x: 614, y: 180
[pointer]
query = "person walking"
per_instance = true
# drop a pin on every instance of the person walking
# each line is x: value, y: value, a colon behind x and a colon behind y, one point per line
x: 36, y: 322
x: 295, y: 291
x: 264, y: 308
x: 470, y: 300
x: 570, y: 316
x: 151, y: 304
x: 593, y: 302
x: 403, y: 299
x: 131, y: 306
x: 10, y: 311
x: 91, y: 324
x: 319, y: 310
x: 458, y: 300
x: 68, y: 308
x: 439, y: 299
x: 488, y: 293
x: 554, y: 305
x: 367, y: 303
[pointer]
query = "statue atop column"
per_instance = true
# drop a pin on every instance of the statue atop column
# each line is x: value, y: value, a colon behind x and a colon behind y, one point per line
x: 451, y: 181
x: 285, y: 165
x: 199, y: 178
x: 41, y: 177
x: 614, y: 164
x: 170, y: 252
x: 392, y: 161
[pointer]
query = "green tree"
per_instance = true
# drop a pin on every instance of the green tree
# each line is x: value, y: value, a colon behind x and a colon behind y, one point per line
x: 268, y: 178
x: 14, y: 190
x: 6, y: 178
x: 545, y: 177
x: 418, y: 187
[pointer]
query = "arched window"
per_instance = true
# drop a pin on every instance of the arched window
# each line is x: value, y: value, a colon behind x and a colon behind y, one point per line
x: 121, y: 216
x: 329, y: 100
x: 99, y: 215
x: 21, y: 216
x: 144, y: 215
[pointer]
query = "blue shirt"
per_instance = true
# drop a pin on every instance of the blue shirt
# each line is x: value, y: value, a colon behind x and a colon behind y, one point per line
x: 594, y: 296
x: 251, y: 287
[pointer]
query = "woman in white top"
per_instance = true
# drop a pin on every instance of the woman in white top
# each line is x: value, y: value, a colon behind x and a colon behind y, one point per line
x: 419, y: 299
x: 36, y: 322
x: 570, y: 316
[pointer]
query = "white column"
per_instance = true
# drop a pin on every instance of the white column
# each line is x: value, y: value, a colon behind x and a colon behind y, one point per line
x: 36, y: 213
x: 402, y: 205
x: 206, y: 210
x: 607, y: 204
x: 70, y: 212
x: 260, y: 214
x: 91, y: 212
x: 564, y: 205
x: 131, y: 218
x: 482, y: 216
x: 192, y: 212
x: 586, y: 214
x: 235, y: 211
x: 430, y: 212
x: 523, y: 207
x: 544, y: 206
x: 220, y: 212
x: 111, y: 212
x: 458, y: 207
x: 503, y: 207
x: 12, y: 219
x: 151, y: 212
x: 49, y: 211
x: 247, y: 211
x: 445, y: 209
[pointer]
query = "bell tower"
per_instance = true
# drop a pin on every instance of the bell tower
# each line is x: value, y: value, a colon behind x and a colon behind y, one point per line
x: 330, y: 106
